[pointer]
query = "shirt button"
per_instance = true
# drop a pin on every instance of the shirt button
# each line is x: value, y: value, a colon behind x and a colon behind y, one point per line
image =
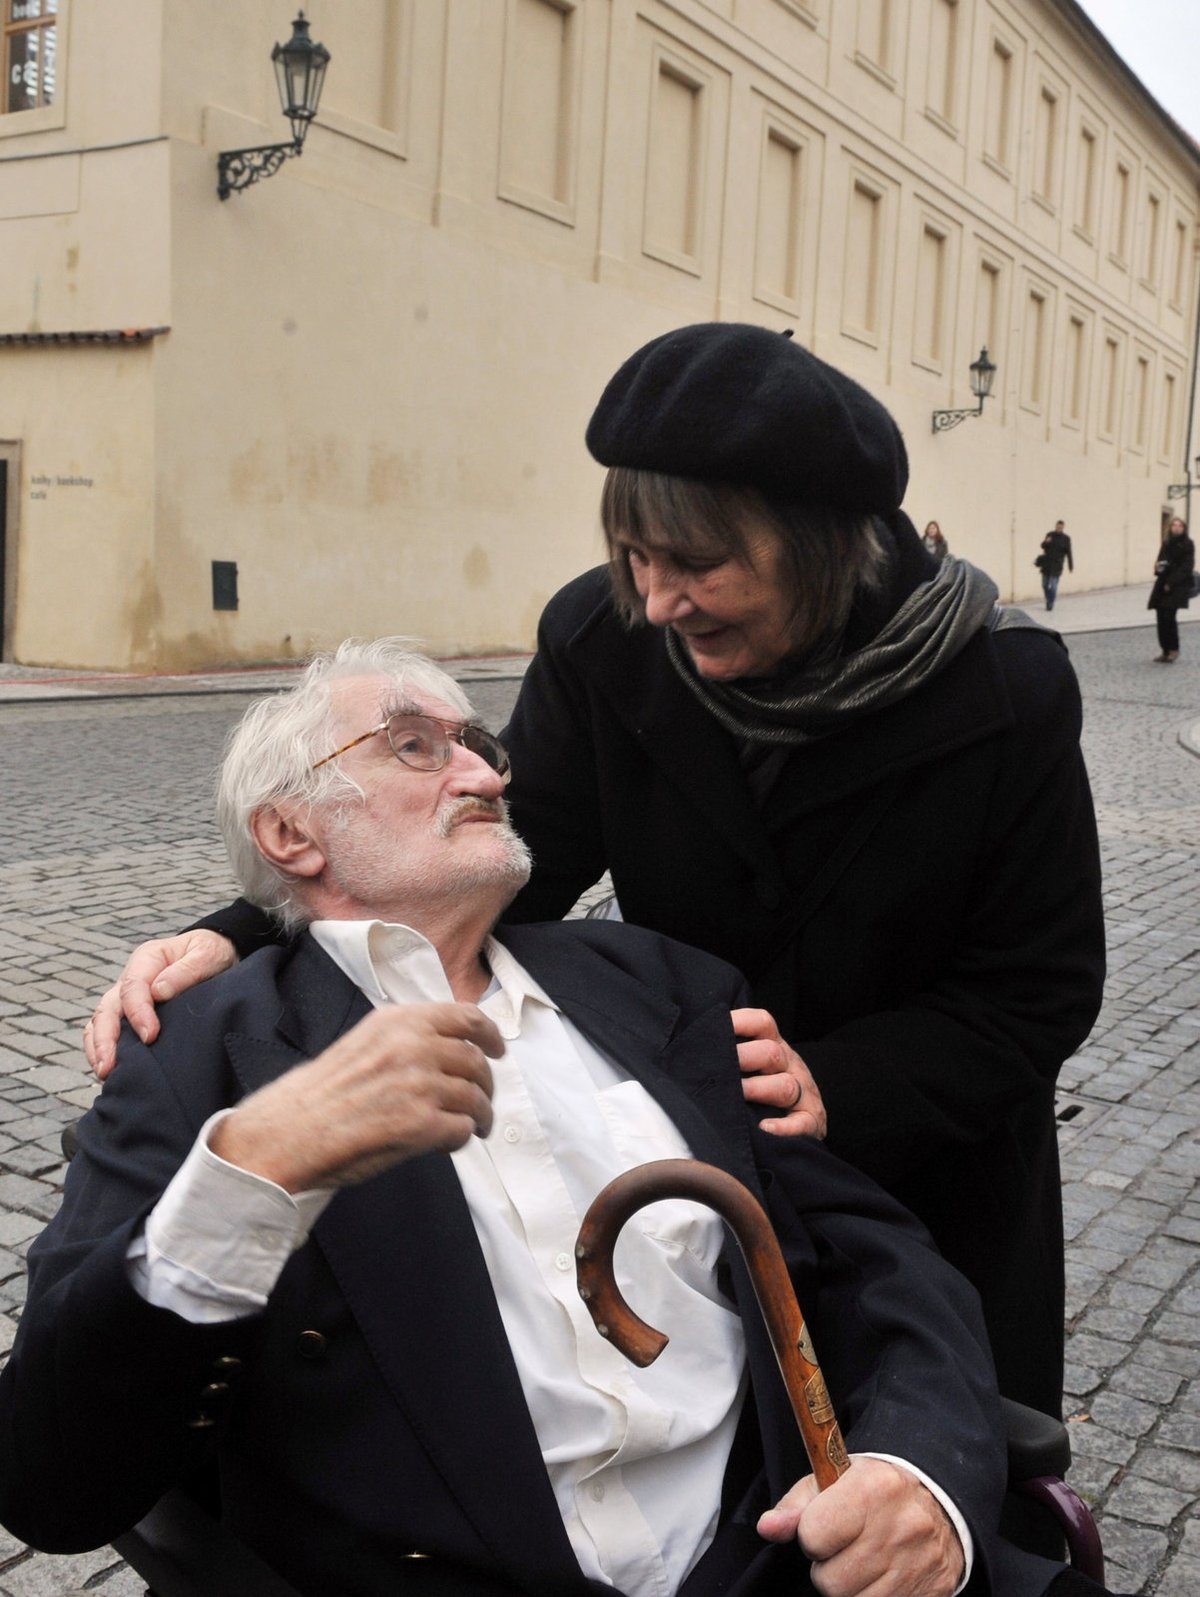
x: 512, y: 1133
x: 597, y: 1493
x: 564, y: 1261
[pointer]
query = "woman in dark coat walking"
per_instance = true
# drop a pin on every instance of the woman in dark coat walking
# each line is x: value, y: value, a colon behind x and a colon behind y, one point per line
x: 1172, y: 590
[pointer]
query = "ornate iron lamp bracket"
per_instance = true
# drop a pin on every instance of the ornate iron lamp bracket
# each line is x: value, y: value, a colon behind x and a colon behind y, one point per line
x: 238, y: 169
x: 943, y: 420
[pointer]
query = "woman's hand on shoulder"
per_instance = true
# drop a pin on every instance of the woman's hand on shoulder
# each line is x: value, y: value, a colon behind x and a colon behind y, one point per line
x: 775, y: 1077
x: 156, y: 971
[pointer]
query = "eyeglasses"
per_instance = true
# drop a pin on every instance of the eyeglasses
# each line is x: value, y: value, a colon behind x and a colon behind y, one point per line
x: 424, y: 743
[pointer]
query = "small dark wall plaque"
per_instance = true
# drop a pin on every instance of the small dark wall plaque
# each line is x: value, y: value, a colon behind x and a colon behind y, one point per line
x: 224, y: 578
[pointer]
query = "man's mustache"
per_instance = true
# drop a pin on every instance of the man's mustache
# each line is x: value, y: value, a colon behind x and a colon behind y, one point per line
x: 458, y: 811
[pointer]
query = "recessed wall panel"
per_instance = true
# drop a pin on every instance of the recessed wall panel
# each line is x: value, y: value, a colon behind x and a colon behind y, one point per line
x: 539, y: 105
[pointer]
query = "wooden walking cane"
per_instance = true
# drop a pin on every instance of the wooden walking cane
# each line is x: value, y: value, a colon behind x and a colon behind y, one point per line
x: 641, y: 1343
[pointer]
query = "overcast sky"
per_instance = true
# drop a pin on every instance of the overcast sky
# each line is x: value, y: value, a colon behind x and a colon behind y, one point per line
x: 1160, y: 40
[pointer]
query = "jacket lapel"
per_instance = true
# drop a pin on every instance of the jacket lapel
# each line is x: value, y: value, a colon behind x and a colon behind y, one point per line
x: 437, y: 1338
x: 692, y: 1071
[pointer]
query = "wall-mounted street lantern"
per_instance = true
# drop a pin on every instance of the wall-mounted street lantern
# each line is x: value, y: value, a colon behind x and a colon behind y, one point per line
x: 983, y: 375
x: 300, y: 74
x: 1183, y: 490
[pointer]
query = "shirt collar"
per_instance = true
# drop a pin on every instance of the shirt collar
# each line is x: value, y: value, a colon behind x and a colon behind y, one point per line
x: 392, y: 963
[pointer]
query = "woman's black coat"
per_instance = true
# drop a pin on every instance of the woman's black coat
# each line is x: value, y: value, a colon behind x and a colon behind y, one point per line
x: 1173, y: 587
x: 919, y: 906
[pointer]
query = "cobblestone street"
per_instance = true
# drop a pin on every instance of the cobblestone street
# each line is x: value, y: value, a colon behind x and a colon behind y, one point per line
x: 107, y: 839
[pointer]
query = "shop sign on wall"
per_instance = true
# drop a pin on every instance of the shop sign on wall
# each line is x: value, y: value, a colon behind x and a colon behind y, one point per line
x: 41, y: 483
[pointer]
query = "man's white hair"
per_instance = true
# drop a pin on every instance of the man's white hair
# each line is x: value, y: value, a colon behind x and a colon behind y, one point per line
x: 270, y: 754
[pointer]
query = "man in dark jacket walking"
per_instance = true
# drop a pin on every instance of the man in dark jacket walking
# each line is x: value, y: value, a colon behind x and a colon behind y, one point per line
x: 1056, y: 547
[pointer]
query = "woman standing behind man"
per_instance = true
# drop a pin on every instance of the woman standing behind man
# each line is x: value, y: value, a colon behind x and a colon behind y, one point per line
x: 1172, y: 588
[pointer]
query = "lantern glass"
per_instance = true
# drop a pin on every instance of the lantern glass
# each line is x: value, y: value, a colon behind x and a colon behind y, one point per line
x: 983, y: 373
x: 300, y: 75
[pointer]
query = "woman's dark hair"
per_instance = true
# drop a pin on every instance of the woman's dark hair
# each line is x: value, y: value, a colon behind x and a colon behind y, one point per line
x: 827, y: 553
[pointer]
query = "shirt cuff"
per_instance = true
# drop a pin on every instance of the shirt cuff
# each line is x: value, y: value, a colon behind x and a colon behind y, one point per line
x: 950, y: 1507
x: 217, y: 1240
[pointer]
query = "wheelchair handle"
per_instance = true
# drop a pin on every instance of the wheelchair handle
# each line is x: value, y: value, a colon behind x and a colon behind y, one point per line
x: 741, y: 1212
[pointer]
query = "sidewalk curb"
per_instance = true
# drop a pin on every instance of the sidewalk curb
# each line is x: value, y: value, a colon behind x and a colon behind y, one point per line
x: 81, y: 687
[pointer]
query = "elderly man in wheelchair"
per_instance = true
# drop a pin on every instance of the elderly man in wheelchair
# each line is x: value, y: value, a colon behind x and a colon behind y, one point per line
x: 317, y: 1243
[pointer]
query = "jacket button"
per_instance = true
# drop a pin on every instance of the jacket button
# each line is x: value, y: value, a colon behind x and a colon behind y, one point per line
x: 227, y: 1365
x: 215, y: 1392
x: 311, y: 1345
x: 768, y: 894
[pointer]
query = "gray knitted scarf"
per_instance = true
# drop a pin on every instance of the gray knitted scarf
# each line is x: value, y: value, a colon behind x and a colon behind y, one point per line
x: 937, y: 620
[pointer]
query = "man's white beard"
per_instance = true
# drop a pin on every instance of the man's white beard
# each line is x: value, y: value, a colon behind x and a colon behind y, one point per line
x: 510, y: 867
x: 501, y: 870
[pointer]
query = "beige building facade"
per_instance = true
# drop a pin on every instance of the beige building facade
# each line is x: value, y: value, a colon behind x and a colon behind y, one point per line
x: 352, y: 398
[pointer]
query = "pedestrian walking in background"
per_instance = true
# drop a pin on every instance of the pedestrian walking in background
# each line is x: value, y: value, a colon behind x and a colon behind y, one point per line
x: 1172, y: 588
x: 934, y: 543
x: 1056, y: 547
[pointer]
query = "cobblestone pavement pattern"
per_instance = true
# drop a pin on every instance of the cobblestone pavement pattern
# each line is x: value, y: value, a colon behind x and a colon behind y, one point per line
x: 106, y: 840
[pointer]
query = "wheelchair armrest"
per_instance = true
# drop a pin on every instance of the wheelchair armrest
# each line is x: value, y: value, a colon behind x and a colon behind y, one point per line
x: 1037, y: 1444
x: 181, y: 1550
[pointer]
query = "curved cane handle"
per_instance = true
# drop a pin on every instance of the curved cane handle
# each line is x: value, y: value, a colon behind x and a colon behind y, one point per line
x: 641, y: 1343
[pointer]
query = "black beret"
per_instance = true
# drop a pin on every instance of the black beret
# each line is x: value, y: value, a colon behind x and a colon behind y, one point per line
x: 735, y: 403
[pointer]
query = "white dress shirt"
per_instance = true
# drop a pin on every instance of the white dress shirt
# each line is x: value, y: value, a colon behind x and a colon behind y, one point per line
x: 636, y: 1457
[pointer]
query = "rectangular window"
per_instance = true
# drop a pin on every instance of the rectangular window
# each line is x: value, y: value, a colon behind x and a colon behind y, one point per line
x: 1035, y: 349
x: 537, y: 116
x: 1073, y: 398
x: 860, y: 283
x: 1153, y: 240
x: 875, y: 32
x: 1167, y: 440
x: 987, y: 306
x: 1085, y: 183
x: 997, y: 143
x: 675, y: 167
x: 1046, y: 145
x: 943, y: 58
x: 780, y: 212
x: 1110, y: 390
x: 1120, y: 216
x: 29, y: 53
x: 1179, y: 269
x: 931, y: 296
x: 1141, y: 402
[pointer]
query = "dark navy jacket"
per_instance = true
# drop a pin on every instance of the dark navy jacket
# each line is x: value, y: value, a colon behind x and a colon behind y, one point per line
x: 373, y: 1410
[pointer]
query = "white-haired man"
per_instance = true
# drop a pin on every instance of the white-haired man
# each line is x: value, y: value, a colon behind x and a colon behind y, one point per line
x: 321, y: 1234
